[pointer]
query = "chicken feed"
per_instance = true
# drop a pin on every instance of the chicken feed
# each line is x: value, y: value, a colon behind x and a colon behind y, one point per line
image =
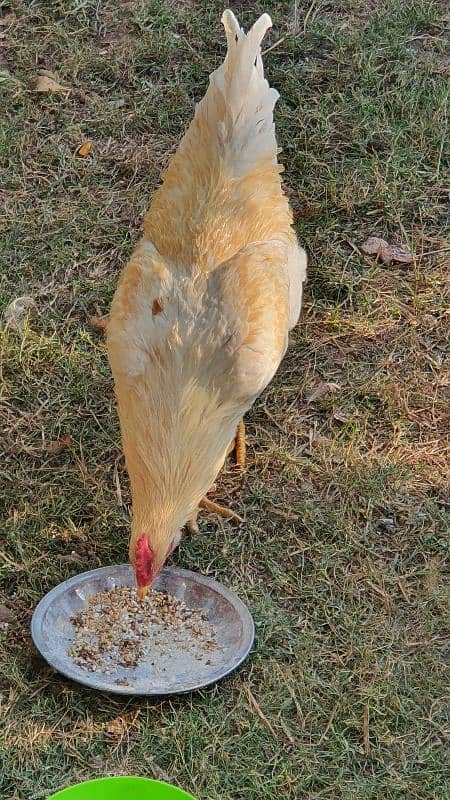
x: 116, y: 629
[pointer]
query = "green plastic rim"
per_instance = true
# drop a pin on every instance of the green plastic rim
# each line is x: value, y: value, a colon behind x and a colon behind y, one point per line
x: 122, y: 788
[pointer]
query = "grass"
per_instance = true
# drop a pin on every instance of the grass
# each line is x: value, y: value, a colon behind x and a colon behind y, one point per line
x: 342, y: 557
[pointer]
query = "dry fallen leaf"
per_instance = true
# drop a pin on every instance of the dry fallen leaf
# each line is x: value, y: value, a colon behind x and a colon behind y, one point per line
x: 84, y: 149
x: 44, y: 84
x: 8, y: 19
x: 48, y: 74
x: 116, y: 103
x: 6, y: 615
x: 373, y: 245
x: 341, y: 416
x: 69, y: 558
x: 400, y: 253
x: 99, y: 323
x: 56, y: 447
x: 387, y: 252
x: 320, y: 391
x: 16, y: 313
x: 68, y: 534
x: 116, y: 726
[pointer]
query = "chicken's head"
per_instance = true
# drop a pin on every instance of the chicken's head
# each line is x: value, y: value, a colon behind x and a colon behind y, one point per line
x: 147, y: 560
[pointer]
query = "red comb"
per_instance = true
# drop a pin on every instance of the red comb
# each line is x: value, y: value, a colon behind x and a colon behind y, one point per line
x: 143, y: 566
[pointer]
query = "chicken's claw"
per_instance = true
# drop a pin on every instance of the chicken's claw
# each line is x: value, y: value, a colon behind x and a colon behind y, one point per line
x: 209, y: 505
x: 192, y: 524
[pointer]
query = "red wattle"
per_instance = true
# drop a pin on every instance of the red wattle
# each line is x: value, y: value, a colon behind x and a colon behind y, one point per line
x: 143, y: 565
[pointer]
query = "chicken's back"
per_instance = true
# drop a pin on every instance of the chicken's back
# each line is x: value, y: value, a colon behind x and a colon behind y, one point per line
x: 222, y: 189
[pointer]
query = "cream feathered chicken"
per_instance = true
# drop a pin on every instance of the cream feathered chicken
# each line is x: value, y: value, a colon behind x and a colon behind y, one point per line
x: 200, y: 319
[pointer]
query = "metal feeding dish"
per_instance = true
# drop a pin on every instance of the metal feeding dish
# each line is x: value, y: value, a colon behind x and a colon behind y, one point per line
x: 166, y: 667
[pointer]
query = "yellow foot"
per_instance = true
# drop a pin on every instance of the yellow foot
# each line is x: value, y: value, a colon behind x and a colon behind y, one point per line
x: 209, y: 505
x: 192, y: 524
x: 239, y: 446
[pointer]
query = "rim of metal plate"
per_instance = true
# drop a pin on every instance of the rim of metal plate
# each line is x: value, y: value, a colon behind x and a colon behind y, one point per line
x: 87, y: 679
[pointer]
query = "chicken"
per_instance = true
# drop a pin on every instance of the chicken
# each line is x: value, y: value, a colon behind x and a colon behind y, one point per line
x: 200, y: 319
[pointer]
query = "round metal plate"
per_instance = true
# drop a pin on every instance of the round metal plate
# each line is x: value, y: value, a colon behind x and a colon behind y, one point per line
x: 158, y: 673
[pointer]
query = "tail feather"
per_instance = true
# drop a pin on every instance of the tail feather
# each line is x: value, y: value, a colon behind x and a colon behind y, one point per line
x: 239, y: 102
x: 222, y: 188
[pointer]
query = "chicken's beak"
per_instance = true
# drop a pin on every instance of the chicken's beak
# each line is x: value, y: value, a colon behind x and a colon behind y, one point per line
x: 142, y: 592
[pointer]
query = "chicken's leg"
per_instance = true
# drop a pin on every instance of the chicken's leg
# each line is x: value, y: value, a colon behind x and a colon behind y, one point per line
x: 227, y: 513
x: 239, y: 446
x: 192, y: 524
x: 215, y: 508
